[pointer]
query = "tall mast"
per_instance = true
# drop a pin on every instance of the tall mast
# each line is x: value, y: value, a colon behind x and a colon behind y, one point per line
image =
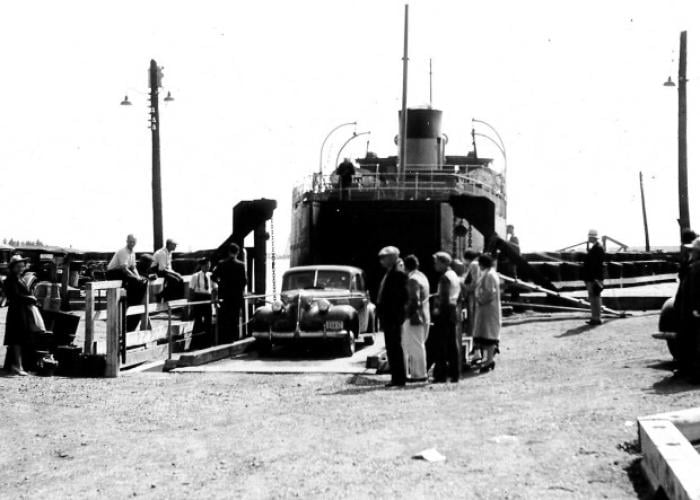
x: 683, y: 212
x: 404, y: 118
x: 430, y: 76
x: 644, y: 213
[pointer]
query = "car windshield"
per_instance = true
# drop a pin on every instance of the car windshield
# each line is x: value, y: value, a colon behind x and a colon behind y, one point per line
x: 311, y: 279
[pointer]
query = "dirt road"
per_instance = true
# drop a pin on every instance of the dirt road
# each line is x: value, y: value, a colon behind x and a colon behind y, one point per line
x: 556, y: 419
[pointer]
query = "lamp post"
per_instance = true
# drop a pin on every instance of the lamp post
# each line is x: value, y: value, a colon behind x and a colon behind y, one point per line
x: 155, y: 78
x: 354, y: 136
x: 323, y: 144
x: 683, y: 211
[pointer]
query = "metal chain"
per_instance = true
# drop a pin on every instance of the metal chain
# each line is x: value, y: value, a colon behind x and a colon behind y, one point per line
x: 273, y: 256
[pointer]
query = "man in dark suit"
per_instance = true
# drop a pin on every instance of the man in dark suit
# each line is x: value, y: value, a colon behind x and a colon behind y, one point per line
x: 592, y: 275
x: 231, y: 278
x: 392, y: 300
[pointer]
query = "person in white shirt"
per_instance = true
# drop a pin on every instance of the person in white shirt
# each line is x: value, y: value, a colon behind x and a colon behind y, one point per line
x: 123, y: 267
x: 202, y: 288
x: 172, y: 281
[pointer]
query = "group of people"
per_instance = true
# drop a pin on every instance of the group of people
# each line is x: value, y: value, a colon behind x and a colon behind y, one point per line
x: 225, y: 286
x: 226, y: 283
x: 424, y: 331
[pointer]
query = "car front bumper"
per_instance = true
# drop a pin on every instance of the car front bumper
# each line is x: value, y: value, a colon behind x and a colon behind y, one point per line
x: 300, y: 335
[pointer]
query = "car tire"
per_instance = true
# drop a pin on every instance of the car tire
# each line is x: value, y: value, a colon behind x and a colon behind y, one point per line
x: 263, y: 347
x: 347, y: 348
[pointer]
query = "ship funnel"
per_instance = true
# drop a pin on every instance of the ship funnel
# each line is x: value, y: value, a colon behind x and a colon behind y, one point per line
x: 425, y: 143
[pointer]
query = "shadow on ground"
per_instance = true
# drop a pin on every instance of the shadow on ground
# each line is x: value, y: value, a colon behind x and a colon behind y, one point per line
x: 674, y: 384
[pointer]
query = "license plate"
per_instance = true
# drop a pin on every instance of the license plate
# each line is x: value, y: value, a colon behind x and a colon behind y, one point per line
x: 334, y: 325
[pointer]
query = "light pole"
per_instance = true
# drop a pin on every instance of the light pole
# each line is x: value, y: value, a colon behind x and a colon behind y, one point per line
x: 683, y: 211
x: 323, y: 144
x: 354, y: 136
x: 155, y: 78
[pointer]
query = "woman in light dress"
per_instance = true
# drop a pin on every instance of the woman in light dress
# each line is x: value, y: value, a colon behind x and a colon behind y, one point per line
x: 487, y: 327
x: 415, y: 328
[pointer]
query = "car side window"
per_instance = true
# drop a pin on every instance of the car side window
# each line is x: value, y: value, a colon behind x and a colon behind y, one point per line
x: 358, y: 283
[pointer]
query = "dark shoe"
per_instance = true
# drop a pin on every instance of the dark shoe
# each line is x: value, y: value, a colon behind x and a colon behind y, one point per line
x: 487, y: 367
x: 414, y: 380
x: 439, y: 380
x: 454, y: 380
x: 594, y: 322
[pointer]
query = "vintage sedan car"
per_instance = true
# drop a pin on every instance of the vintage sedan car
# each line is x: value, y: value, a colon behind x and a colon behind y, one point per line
x: 318, y: 303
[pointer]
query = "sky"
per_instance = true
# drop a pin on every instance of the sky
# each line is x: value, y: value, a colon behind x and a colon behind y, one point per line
x: 575, y: 90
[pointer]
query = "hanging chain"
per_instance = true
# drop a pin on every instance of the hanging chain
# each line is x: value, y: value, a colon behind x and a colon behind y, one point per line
x: 273, y: 256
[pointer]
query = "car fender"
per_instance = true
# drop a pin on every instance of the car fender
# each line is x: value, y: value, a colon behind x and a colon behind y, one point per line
x: 668, y: 318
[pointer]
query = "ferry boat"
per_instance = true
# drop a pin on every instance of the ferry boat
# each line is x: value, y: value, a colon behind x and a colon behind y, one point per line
x: 438, y: 202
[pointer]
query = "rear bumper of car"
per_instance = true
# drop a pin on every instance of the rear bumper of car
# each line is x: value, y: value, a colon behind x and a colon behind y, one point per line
x: 300, y: 335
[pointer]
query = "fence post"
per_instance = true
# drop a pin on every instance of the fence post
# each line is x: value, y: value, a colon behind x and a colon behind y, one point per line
x: 89, y: 318
x: 146, y: 300
x: 113, y: 333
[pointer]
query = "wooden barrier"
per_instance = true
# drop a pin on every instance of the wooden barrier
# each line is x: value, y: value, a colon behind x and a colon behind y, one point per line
x: 669, y: 460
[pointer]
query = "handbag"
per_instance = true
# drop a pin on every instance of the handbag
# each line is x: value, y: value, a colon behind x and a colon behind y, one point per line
x: 35, y: 323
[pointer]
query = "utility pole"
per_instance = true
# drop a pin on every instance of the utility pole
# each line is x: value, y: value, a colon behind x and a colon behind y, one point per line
x: 644, y: 214
x: 683, y: 212
x: 404, y: 118
x: 154, y: 80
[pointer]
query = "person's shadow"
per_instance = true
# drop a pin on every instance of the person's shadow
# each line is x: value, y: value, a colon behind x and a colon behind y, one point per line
x: 674, y: 384
x: 576, y: 331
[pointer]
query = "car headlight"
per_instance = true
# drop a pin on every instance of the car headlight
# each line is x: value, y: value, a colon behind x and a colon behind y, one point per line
x: 323, y: 306
x: 277, y: 306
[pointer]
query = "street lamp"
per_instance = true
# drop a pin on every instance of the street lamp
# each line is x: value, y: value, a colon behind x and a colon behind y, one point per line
x: 155, y: 79
x: 354, y: 136
x: 499, y: 144
x: 323, y: 144
x: 683, y: 210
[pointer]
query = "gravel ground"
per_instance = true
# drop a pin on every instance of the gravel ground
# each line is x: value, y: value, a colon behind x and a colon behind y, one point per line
x: 556, y: 419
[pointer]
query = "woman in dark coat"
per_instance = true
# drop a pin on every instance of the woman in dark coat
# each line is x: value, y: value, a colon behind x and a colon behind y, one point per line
x: 17, y: 336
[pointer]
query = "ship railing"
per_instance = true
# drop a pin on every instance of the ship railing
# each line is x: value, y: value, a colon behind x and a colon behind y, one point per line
x: 411, y: 184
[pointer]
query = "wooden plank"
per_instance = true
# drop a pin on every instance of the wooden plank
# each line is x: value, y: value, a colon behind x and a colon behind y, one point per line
x: 113, y: 330
x: 106, y: 285
x: 686, y: 421
x: 89, y: 318
x: 142, y: 337
x: 669, y: 460
x: 144, y: 315
x: 215, y: 353
x: 151, y: 353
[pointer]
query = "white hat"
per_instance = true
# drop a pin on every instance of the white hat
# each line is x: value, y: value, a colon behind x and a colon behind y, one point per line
x: 695, y: 245
x: 389, y: 251
x: 593, y: 233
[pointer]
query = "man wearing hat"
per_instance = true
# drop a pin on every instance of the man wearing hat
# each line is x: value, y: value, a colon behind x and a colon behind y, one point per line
x: 19, y: 298
x: 592, y: 274
x: 392, y: 301
x: 172, y: 281
x: 448, y: 342
x: 230, y: 275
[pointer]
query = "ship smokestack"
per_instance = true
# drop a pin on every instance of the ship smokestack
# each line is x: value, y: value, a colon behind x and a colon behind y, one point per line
x: 425, y: 143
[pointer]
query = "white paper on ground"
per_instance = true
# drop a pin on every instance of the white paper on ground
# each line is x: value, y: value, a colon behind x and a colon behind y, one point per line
x: 430, y: 455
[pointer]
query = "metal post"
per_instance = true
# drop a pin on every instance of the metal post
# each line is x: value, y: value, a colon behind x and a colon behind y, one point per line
x: 683, y: 212
x: 155, y: 158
